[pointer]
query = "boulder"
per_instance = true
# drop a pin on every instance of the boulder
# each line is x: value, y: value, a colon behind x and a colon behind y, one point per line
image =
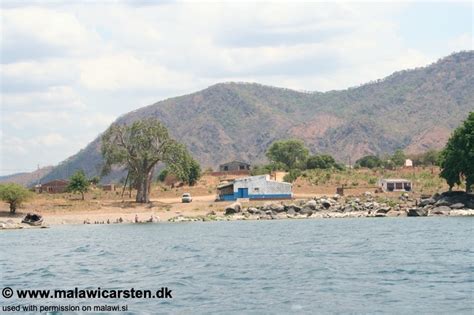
x: 458, y: 205
x: 336, y: 197
x: 252, y: 210
x: 311, y: 204
x: 278, y: 208
x: 417, y: 212
x: 233, y: 208
x: 440, y: 210
x: 427, y: 201
x: 442, y: 202
x: 307, y: 211
x: 383, y: 210
x: 269, y: 205
x: 291, y: 211
x: 325, y: 203
x: 393, y: 213
x: 292, y: 207
x: 347, y: 208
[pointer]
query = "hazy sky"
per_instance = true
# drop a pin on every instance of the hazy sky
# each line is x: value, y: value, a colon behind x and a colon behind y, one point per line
x: 68, y: 70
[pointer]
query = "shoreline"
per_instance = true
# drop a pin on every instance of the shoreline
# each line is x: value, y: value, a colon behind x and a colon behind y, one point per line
x: 203, y: 216
x: 203, y: 209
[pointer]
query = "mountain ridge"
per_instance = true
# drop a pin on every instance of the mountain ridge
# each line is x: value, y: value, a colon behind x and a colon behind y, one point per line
x: 409, y: 109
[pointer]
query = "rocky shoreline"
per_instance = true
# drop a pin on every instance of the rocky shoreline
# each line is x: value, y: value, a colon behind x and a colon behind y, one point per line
x: 366, y: 206
x: 446, y: 204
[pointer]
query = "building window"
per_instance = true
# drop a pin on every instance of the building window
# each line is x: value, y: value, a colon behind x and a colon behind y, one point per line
x: 390, y: 186
x: 226, y: 168
x: 242, y: 167
x: 256, y: 189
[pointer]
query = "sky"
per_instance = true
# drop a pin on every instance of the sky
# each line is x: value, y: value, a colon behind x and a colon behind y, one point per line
x: 69, y: 69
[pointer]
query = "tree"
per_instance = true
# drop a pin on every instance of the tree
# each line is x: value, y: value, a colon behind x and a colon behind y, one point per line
x: 292, y: 175
x: 430, y: 157
x: 14, y: 195
x: 183, y: 166
x: 292, y: 153
x: 78, y: 183
x: 162, y: 176
x: 95, y: 180
x: 457, y: 158
x: 322, y: 161
x: 398, y: 158
x: 139, y: 147
x: 189, y: 174
x: 267, y: 168
x: 369, y: 161
x: 194, y: 172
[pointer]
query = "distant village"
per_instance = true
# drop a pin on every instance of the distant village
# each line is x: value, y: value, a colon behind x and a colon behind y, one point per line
x: 243, y: 186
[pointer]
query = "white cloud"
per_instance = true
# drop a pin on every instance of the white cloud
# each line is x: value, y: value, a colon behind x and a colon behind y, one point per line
x: 127, y: 71
x: 36, y: 75
x: 50, y: 140
x: 462, y: 42
x: 32, y: 32
x: 53, y: 98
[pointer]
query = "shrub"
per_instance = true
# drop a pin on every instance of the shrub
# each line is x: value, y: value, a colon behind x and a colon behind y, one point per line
x: 292, y: 175
x: 14, y: 195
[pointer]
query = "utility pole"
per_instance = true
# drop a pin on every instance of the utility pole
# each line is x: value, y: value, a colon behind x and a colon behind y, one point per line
x: 37, y: 175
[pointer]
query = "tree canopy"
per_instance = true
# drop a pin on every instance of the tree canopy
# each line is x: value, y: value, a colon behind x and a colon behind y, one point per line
x: 139, y: 147
x: 398, y: 158
x: 182, y: 165
x: 428, y: 158
x: 14, y: 195
x: 322, y: 161
x: 457, y: 158
x: 78, y: 183
x: 369, y: 161
x: 291, y: 153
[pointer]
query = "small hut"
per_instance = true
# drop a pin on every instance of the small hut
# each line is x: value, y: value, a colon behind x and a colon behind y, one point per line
x: 395, y: 184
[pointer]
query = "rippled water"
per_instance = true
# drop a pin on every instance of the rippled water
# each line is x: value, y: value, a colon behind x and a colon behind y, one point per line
x: 391, y: 265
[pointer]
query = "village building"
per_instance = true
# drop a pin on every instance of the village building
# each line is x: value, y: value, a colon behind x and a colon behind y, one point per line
x: 108, y: 187
x: 254, y: 188
x: 56, y: 186
x: 234, y: 166
x: 408, y: 163
x: 395, y: 184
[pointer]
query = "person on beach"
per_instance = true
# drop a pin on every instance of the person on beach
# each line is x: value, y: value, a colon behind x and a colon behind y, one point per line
x: 136, y: 218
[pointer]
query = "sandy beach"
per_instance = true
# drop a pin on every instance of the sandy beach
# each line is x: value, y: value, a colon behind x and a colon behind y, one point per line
x: 59, y: 211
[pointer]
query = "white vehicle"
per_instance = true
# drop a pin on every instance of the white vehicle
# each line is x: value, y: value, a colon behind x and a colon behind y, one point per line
x: 186, y: 197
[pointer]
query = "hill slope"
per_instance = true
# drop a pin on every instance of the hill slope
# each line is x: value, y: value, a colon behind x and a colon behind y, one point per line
x: 26, y: 179
x: 412, y: 109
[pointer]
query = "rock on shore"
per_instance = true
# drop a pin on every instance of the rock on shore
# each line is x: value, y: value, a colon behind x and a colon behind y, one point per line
x: 12, y: 225
x: 447, y: 204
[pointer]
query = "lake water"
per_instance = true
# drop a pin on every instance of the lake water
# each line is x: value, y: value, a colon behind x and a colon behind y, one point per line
x: 386, y: 265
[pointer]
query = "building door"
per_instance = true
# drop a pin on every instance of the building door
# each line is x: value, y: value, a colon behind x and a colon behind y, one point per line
x: 243, y: 193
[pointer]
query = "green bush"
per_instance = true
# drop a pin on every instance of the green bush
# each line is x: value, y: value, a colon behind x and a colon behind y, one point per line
x: 292, y: 175
x: 14, y: 195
